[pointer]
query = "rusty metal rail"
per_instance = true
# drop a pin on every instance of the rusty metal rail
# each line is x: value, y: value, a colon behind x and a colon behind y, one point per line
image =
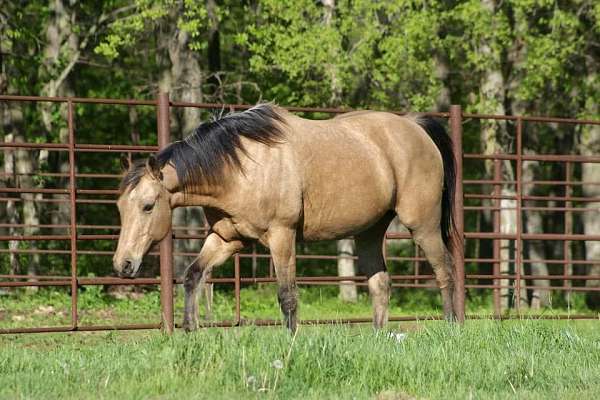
x: 494, y: 281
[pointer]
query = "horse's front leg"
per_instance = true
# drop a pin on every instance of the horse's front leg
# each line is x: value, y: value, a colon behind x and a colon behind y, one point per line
x: 208, y: 298
x: 282, y: 243
x: 215, y: 252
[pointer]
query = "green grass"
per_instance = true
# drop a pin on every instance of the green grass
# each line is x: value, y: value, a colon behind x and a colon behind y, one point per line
x: 51, y: 307
x: 484, y: 360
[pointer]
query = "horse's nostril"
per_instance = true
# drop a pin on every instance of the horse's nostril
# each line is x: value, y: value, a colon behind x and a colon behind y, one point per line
x: 127, y: 268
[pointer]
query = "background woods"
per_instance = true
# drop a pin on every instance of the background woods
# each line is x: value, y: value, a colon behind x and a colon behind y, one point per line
x: 534, y: 57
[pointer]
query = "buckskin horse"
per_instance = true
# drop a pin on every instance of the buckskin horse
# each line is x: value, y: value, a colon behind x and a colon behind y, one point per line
x: 267, y: 175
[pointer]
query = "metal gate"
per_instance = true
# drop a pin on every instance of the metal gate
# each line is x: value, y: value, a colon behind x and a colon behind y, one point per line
x: 456, y: 118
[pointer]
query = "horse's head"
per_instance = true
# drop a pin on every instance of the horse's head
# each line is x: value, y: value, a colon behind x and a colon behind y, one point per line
x: 145, y: 214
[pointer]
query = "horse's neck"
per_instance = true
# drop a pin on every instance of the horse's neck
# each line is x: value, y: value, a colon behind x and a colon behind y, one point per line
x: 197, y: 196
x: 181, y: 199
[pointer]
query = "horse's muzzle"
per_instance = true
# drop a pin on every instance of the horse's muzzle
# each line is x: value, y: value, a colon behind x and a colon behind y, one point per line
x: 128, y: 269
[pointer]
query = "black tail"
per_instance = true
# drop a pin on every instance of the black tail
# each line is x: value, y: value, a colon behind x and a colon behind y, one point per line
x: 444, y: 144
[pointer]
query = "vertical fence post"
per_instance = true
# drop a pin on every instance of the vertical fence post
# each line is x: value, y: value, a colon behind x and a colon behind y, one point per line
x: 458, y: 251
x: 567, y: 268
x: 519, y: 242
x: 497, y: 204
x: 166, y: 245
x: 73, y: 214
x: 237, y: 288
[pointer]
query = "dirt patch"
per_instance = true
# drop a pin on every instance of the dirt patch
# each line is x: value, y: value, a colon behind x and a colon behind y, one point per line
x: 44, y: 310
x: 124, y: 292
x: 394, y: 395
x: 409, y: 326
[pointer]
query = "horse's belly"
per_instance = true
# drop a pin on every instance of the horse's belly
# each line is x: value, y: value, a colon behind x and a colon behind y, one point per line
x: 346, y: 208
x: 340, y: 227
x: 348, y: 183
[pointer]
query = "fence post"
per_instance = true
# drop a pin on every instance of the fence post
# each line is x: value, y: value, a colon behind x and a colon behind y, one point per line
x: 496, y: 245
x: 166, y: 245
x: 237, y: 288
x: 519, y: 242
x: 458, y: 251
x: 73, y: 213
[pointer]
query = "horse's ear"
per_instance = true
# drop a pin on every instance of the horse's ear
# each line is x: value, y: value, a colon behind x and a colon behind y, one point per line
x: 153, y: 167
x: 125, y: 164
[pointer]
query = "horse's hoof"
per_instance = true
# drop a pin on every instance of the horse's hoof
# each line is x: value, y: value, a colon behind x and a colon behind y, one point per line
x: 450, y: 318
x: 190, y: 326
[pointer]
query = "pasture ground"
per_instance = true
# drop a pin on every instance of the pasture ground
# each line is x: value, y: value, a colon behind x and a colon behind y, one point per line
x: 526, y: 359
x: 51, y: 307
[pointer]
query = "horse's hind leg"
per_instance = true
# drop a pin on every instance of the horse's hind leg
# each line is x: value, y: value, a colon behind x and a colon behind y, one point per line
x: 369, y: 248
x: 282, y: 244
x: 430, y: 241
x: 215, y: 252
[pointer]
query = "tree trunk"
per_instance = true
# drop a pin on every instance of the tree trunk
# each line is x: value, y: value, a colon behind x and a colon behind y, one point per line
x: 442, y: 70
x: 334, y: 83
x: 61, y: 53
x: 20, y: 163
x: 17, y: 162
x: 12, y: 213
x: 213, y: 51
x: 345, y: 267
x: 494, y: 134
x: 532, y: 220
x: 25, y: 167
x: 8, y: 112
x: 590, y: 145
x: 496, y: 139
x: 535, y: 249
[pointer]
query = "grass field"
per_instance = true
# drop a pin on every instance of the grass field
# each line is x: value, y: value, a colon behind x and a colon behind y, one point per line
x: 483, y: 360
x: 528, y: 359
x: 52, y: 307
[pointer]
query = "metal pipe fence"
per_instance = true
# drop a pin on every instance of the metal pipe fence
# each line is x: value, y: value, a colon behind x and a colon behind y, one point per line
x: 489, y: 202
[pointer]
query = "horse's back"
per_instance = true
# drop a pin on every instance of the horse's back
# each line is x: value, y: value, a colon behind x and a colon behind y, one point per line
x: 353, y: 168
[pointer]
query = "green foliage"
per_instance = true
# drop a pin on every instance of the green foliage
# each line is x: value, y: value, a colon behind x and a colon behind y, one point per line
x: 125, y: 31
x: 368, y: 53
x: 363, y: 53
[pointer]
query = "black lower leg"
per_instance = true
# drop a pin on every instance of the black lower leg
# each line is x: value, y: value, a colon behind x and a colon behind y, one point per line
x: 288, y: 301
x: 190, y: 284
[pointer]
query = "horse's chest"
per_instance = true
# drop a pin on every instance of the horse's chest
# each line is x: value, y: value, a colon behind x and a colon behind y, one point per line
x: 234, y: 229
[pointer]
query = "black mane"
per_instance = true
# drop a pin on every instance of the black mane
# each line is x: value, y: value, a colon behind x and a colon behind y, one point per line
x: 201, y: 156
x: 133, y: 176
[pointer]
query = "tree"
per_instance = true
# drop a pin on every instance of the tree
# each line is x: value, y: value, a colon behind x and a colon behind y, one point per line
x: 359, y: 54
x: 511, y: 57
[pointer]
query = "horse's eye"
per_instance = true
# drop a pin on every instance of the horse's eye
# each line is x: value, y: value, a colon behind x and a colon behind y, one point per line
x: 148, y: 207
